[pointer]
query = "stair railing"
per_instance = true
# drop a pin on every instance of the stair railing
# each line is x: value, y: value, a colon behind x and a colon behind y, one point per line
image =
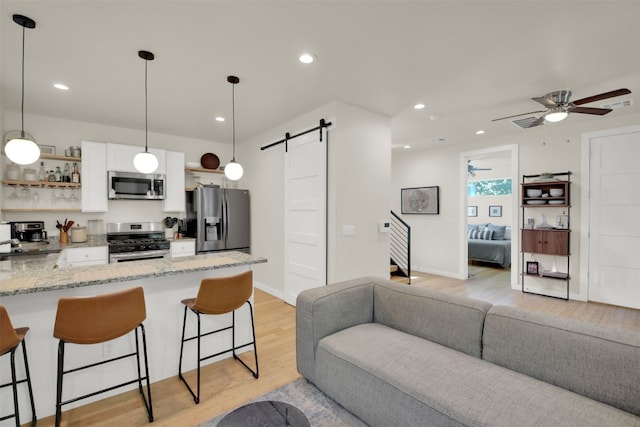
x: 400, y: 244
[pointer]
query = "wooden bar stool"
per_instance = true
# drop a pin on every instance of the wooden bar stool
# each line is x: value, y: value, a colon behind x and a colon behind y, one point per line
x: 219, y: 295
x: 10, y: 340
x: 98, y: 319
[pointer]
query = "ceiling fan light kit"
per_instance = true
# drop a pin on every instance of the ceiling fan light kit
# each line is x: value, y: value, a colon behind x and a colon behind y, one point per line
x: 22, y: 149
x: 145, y: 162
x: 559, y: 106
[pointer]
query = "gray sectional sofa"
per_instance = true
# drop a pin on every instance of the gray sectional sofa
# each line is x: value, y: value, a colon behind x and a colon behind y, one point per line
x: 397, y: 355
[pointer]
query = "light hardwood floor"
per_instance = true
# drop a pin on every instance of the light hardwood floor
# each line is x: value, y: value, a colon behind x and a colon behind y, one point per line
x: 226, y: 384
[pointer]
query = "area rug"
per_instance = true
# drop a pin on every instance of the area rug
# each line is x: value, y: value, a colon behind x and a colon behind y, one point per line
x: 319, y: 408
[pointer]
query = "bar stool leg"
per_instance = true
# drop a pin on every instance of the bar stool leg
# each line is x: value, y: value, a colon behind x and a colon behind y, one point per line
x: 196, y: 398
x: 14, y: 386
x: 26, y: 369
x: 59, y: 386
x: 255, y: 348
x: 146, y: 400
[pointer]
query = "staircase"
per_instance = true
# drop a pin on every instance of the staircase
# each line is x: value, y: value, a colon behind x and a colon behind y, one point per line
x: 400, y: 247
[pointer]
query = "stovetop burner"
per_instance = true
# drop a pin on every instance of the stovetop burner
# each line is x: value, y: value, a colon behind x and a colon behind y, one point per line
x: 136, y: 237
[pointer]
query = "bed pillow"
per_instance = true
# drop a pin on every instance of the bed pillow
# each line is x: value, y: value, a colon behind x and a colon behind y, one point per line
x: 507, y: 233
x: 498, y: 231
x: 484, y: 234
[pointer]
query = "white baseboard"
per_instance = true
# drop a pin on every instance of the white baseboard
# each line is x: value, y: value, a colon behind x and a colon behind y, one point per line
x: 439, y: 273
x: 269, y: 290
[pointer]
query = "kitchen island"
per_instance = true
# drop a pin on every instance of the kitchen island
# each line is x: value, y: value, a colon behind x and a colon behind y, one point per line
x: 30, y: 287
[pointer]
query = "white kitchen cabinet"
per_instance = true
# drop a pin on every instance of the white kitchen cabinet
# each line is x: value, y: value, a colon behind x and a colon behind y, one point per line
x: 120, y: 157
x: 93, y: 177
x: 174, y: 185
x: 74, y: 257
x: 180, y: 248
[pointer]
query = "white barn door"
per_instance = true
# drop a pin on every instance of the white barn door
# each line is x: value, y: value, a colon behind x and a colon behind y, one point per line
x: 305, y: 215
x: 614, y: 212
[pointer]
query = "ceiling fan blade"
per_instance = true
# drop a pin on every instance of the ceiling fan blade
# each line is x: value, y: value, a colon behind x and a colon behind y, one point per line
x: 538, y: 122
x: 549, y: 103
x: 601, y: 96
x: 588, y: 110
x: 518, y: 115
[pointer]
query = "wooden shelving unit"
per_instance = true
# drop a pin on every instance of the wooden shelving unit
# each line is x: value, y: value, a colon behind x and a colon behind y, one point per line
x: 551, y: 240
x: 41, y: 184
x: 203, y: 170
x: 41, y: 210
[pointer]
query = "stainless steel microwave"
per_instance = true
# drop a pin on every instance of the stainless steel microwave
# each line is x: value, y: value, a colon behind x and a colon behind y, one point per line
x: 127, y: 185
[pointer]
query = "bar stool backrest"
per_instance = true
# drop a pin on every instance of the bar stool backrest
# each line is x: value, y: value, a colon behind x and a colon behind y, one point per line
x: 219, y: 295
x: 96, y: 319
x: 8, y: 337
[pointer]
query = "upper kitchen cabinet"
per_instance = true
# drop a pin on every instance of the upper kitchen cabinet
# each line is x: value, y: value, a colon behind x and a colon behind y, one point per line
x: 94, y: 177
x: 120, y: 158
x: 174, y: 184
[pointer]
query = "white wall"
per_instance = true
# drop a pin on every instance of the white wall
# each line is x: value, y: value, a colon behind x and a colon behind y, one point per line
x: 549, y: 148
x: 358, y: 180
x: 63, y: 133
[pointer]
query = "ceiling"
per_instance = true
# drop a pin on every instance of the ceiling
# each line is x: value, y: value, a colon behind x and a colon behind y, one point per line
x: 468, y: 61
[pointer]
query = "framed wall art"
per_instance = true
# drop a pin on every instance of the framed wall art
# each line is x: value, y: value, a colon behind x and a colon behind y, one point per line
x: 472, y: 211
x: 495, y: 210
x: 420, y: 200
x: 532, y: 267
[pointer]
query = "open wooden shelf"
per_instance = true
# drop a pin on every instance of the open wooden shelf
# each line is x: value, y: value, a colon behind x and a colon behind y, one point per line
x: 41, y: 184
x: 41, y: 210
x: 203, y: 170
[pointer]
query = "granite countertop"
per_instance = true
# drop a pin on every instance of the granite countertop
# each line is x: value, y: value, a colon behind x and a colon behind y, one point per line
x: 39, y: 273
x: 53, y: 246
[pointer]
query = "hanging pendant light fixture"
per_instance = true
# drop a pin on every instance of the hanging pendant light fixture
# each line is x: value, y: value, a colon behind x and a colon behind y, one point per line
x: 21, y: 149
x: 233, y: 170
x: 145, y: 162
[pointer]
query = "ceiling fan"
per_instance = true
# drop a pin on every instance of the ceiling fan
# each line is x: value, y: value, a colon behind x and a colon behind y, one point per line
x: 558, y: 106
x: 472, y: 169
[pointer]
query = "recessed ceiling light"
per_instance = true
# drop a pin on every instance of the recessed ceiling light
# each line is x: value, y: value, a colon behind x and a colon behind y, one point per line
x: 219, y: 119
x: 419, y: 106
x: 61, y: 86
x: 406, y: 146
x: 307, y: 58
x: 434, y: 117
x: 439, y: 139
x: 479, y: 132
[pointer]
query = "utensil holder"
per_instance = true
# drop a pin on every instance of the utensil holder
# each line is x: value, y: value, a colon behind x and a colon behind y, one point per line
x: 64, y: 237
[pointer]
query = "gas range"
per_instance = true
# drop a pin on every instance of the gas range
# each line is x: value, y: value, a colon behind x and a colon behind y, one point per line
x: 136, y: 241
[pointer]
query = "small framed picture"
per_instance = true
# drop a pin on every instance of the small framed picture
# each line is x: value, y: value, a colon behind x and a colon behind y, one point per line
x: 472, y: 211
x: 532, y: 267
x: 495, y: 210
x: 48, y: 149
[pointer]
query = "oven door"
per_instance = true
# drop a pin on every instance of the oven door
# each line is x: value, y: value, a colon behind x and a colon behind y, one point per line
x: 138, y: 256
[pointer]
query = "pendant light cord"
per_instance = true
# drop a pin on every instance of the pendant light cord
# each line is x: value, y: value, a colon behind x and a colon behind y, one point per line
x: 146, y: 120
x: 233, y: 120
x: 22, y: 106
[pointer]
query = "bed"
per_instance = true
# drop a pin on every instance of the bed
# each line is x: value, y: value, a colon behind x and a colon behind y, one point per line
x: 490, y: 243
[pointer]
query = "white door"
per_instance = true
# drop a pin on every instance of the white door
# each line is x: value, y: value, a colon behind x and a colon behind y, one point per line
x: 614, y: 212
x: 305, y: 215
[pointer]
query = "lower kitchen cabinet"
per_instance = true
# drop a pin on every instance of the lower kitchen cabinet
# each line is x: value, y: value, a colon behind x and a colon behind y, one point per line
x: 180, y: 248
x: 74, y: 257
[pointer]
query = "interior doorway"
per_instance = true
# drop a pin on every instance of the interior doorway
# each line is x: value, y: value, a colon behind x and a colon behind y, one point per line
x: 476, y: 165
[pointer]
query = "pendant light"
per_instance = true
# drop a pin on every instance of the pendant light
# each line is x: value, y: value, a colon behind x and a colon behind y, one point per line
x: 22, y: 149
x: 233, y: 170
x: 145, y: 162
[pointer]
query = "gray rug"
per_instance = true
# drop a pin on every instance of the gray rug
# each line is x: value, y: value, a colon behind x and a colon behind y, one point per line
x: 320, y: 409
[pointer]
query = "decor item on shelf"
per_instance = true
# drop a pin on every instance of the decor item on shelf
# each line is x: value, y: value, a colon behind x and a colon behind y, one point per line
x: 233, y: 170
x: 145, y: 162
x: 209, y: 161
x: 22, y: 149
x: 532, y: 267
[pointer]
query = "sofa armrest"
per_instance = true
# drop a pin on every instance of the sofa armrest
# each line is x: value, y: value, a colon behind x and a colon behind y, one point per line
x: 328, y: 309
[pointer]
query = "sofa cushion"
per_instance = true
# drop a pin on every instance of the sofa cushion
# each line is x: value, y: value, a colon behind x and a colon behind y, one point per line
x: 453, y: 321
x: 387, y: 377
x: 597, y: 362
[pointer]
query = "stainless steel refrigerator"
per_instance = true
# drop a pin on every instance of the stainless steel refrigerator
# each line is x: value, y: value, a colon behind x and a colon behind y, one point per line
x: 219, y: 218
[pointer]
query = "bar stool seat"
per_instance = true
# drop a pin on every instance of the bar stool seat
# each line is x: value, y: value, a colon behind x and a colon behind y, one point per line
x: 219, y: 295
x: 10, y: 340
x: 98, y: 319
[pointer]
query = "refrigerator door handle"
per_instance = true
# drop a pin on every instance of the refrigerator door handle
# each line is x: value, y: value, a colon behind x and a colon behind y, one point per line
x: 225, y: 215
